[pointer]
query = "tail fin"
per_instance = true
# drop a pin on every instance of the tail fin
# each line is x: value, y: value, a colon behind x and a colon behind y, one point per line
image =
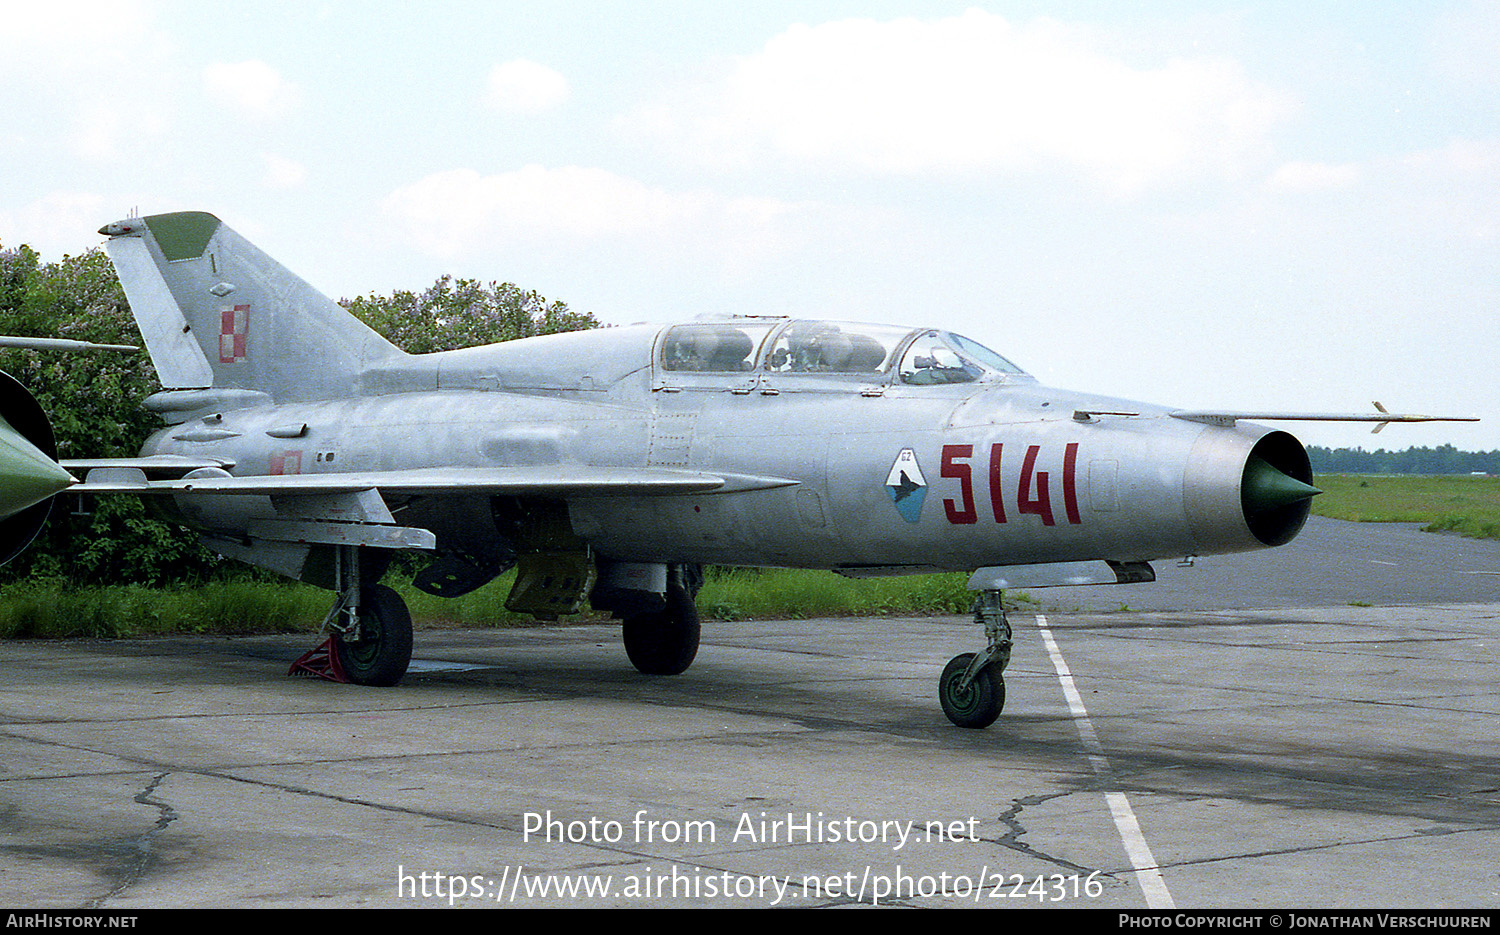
x: 217, y: 312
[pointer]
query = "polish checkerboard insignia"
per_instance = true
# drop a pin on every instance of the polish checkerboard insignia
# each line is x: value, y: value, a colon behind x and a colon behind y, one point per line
x: 907, y: 486
x: 234, y: 326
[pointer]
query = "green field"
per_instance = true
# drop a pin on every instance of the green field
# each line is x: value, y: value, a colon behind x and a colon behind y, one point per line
x: 1461, y: 504
x: 1467, y: 505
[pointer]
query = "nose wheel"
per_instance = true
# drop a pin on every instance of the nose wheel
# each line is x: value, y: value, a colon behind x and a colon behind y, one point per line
x: 971, y: 700
x: 972, y: 689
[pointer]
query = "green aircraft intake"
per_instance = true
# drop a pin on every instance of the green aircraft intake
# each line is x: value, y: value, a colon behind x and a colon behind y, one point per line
x: 27, y: 475
x: 1266, y: 487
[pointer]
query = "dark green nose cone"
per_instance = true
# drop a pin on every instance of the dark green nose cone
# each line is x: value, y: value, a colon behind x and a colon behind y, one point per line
x: 27, y: 476
x: 1268, y: 488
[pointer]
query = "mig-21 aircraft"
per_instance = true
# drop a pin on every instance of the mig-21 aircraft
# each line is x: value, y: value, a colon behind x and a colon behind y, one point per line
x: 29, y: 472
x: 609, y: 466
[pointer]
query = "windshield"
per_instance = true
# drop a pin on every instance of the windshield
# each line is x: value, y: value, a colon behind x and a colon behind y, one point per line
x: 938, y: 357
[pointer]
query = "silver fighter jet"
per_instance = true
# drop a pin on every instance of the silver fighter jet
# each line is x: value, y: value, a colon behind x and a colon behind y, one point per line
x: 608, y: 466
x: 29, y: 473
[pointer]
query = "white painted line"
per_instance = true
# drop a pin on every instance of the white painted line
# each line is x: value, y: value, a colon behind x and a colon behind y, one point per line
x: 1147, y: 873
x: 437, y: 665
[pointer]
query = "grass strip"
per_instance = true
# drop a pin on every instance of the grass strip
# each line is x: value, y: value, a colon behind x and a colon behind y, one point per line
x: 52, y: 609
x: 1454, y: 503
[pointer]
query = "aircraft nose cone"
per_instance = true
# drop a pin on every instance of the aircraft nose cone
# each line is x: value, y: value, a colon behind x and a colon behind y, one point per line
x: 27, y: 476
x: 1265, y: 487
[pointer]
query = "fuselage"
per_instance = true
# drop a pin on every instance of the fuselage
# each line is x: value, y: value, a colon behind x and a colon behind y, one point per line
x: 902, y: 457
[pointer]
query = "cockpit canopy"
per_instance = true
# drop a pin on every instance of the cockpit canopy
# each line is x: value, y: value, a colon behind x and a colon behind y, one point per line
x: 919, y: 357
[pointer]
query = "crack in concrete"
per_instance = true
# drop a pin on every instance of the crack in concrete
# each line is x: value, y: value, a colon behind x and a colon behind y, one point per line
x: 1012, y: 839
x: 142, y: 849
x: 1332, y: 845
x: 125, y: 860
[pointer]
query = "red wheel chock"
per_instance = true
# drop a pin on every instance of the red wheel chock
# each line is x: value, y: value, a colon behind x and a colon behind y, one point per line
x: 320, y: 662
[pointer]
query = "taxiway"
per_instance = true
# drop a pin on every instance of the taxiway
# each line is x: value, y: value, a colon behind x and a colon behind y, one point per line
x: 1318, y: 756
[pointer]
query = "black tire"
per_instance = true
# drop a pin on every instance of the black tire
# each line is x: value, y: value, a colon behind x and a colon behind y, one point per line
x: 383, y: 651
x: 981, y: 703
x: 664, y: 642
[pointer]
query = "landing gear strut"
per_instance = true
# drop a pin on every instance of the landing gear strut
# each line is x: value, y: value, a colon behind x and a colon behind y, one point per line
x: 370, y: 623
x: 971, y: 689
x: 665, y: 641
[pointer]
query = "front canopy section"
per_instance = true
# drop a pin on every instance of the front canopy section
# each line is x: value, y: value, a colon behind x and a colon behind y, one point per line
x: 868, y: 352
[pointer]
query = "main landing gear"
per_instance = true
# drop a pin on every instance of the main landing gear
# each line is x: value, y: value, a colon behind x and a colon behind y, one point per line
x: 663, y: 640
x: 370, y: 626
x: 972, y: 689
x: 375, y: 648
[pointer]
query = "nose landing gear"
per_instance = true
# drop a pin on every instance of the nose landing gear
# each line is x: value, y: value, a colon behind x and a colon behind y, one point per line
x: 972, y: 689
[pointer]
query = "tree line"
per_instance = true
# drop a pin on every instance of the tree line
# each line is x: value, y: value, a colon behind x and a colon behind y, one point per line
x: 94, y: 398
x: 1444, y: 459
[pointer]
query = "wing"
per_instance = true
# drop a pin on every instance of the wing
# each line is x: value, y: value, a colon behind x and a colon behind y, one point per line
x: 60, y: 344
x: 1382, y: 417
x: 122, y: 476
x: 350, y: 508
x: 161, y: 465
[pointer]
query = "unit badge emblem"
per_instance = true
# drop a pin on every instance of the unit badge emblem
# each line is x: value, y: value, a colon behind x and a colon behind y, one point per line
x: 907, y: 486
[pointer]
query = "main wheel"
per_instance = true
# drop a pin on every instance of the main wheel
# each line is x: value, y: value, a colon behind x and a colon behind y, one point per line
x: 664, y: 642
x: 979, y: 704
x: 383, y: 651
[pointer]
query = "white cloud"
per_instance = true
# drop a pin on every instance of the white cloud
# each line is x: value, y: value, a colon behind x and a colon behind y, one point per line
x: 1313, y: 176
x: 95, y: 67
x: 282, y: 172
x: 56, y: 223
x: 447, y: 210
x: 525, y: 87
x: 1445, y: 193
x: 252, y: 88
x: 1460, y: 179
x: 462, y: 212
x: 1468, y: 159
x: 975, y: 93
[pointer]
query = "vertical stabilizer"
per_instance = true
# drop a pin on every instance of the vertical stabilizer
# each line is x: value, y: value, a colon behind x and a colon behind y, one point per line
x: 216, y: 311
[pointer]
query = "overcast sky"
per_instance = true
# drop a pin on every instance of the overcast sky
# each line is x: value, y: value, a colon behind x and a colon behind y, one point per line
x: 1229, y: 205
